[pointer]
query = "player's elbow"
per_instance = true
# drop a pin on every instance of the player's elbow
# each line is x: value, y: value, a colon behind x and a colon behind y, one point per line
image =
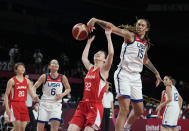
x: 68, y: 90
x: 111, y: 54
x: 145, y: 60
x: 83, y: 58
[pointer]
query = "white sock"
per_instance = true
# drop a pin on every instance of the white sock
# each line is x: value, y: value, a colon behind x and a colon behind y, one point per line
x: 127, y: 126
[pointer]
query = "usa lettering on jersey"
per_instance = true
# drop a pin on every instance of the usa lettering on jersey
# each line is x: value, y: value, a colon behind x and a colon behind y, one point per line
x: 53, y: 84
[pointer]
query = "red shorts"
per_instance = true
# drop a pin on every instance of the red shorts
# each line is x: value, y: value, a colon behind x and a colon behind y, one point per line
x: 19, y: 111
x: 88, y: 114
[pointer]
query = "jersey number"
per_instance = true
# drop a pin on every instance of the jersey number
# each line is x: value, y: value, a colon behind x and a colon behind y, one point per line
x: 21, y: 94
x: 175, y: 96
x: 88, y: 86
x: 53, y: 91
x: 140, y: 53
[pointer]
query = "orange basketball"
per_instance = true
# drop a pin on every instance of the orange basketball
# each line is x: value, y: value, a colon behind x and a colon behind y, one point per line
x: 80, y: 31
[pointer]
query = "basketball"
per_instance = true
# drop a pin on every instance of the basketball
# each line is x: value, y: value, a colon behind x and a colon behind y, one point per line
x: 80, y: 31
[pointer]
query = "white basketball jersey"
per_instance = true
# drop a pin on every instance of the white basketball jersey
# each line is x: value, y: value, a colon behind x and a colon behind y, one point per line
x: 175, y: 95
x: 132, y: 55
x: 52, y: 87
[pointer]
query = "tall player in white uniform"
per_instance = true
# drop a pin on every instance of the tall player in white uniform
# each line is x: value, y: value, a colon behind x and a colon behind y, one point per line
x: 50, y: 106
x: 173, y: 105
x: 127, y: 77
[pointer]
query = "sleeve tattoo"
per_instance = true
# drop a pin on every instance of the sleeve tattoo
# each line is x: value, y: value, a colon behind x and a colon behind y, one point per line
x: 150, y: 66
x: 102, y: 24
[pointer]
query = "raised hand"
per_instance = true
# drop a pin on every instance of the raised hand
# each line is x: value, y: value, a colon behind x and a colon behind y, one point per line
x: 90, y: 39
x: 90, y: 24
x: 158, y: 80
x: 108, y: 30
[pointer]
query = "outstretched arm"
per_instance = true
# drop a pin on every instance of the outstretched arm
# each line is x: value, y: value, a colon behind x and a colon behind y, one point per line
x: 104, y: 24
x: 85, y: 54
x: 150, y: 66
x: 110, y: 56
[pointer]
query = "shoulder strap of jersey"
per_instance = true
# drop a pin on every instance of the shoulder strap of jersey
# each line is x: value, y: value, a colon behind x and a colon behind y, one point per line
x: 133, y: 40
x: 46, y: 75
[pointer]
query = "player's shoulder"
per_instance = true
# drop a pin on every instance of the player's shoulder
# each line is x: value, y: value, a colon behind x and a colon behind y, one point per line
x: 11, y: 80
x: 44, y: 75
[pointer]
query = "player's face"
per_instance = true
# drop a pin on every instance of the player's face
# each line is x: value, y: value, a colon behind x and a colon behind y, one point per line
x: 166, y: 81
x: 141, y: 27
x: 20, y: 69
x: 54, y: 65
x: 99, y: 56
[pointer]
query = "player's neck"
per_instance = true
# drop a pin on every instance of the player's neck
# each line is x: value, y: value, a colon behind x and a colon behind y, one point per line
x: 19, y: 77
x: 97, y: 65
x: 141, y: 36
x: 54, y: 74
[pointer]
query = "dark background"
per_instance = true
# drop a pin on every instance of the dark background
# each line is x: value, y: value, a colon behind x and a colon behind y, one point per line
x: 48, y: 25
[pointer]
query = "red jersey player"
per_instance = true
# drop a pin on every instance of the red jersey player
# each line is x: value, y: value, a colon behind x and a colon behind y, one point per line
x: 88, y: 115
x: 16, y: 90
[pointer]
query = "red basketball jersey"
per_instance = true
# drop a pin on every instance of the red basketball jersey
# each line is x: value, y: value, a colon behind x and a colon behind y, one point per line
x: 19, y: 91
x: 94, y: 86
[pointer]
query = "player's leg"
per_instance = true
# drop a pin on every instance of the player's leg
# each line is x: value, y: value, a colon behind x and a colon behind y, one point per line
x: 122, y: 85
x: 123, y: 111
x: 55, y: 125
x: 40, y: 126
x: 78, y: 119
x: 88, y: 128
x: 174, y: 129
x: 73, y: 127
x: 135, y: 114
x: 163, y: 128
x: 137, y: 101
x: 23, y: 125
x: 16, y: 125
x: 55, y: 116
x: 43, y: 116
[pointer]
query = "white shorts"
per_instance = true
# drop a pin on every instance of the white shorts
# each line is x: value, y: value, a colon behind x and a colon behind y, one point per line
x: 170, y: 116
x: 48, y: 111
x: 128, y: 85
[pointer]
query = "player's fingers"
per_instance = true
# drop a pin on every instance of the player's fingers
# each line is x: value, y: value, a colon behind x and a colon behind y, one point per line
x: 93, y: 28
x: 93, y: 37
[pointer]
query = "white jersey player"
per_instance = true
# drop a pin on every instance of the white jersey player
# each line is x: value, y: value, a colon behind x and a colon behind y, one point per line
x: 127, y: 77
x: 173, y: 103
x: 50, y: 106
